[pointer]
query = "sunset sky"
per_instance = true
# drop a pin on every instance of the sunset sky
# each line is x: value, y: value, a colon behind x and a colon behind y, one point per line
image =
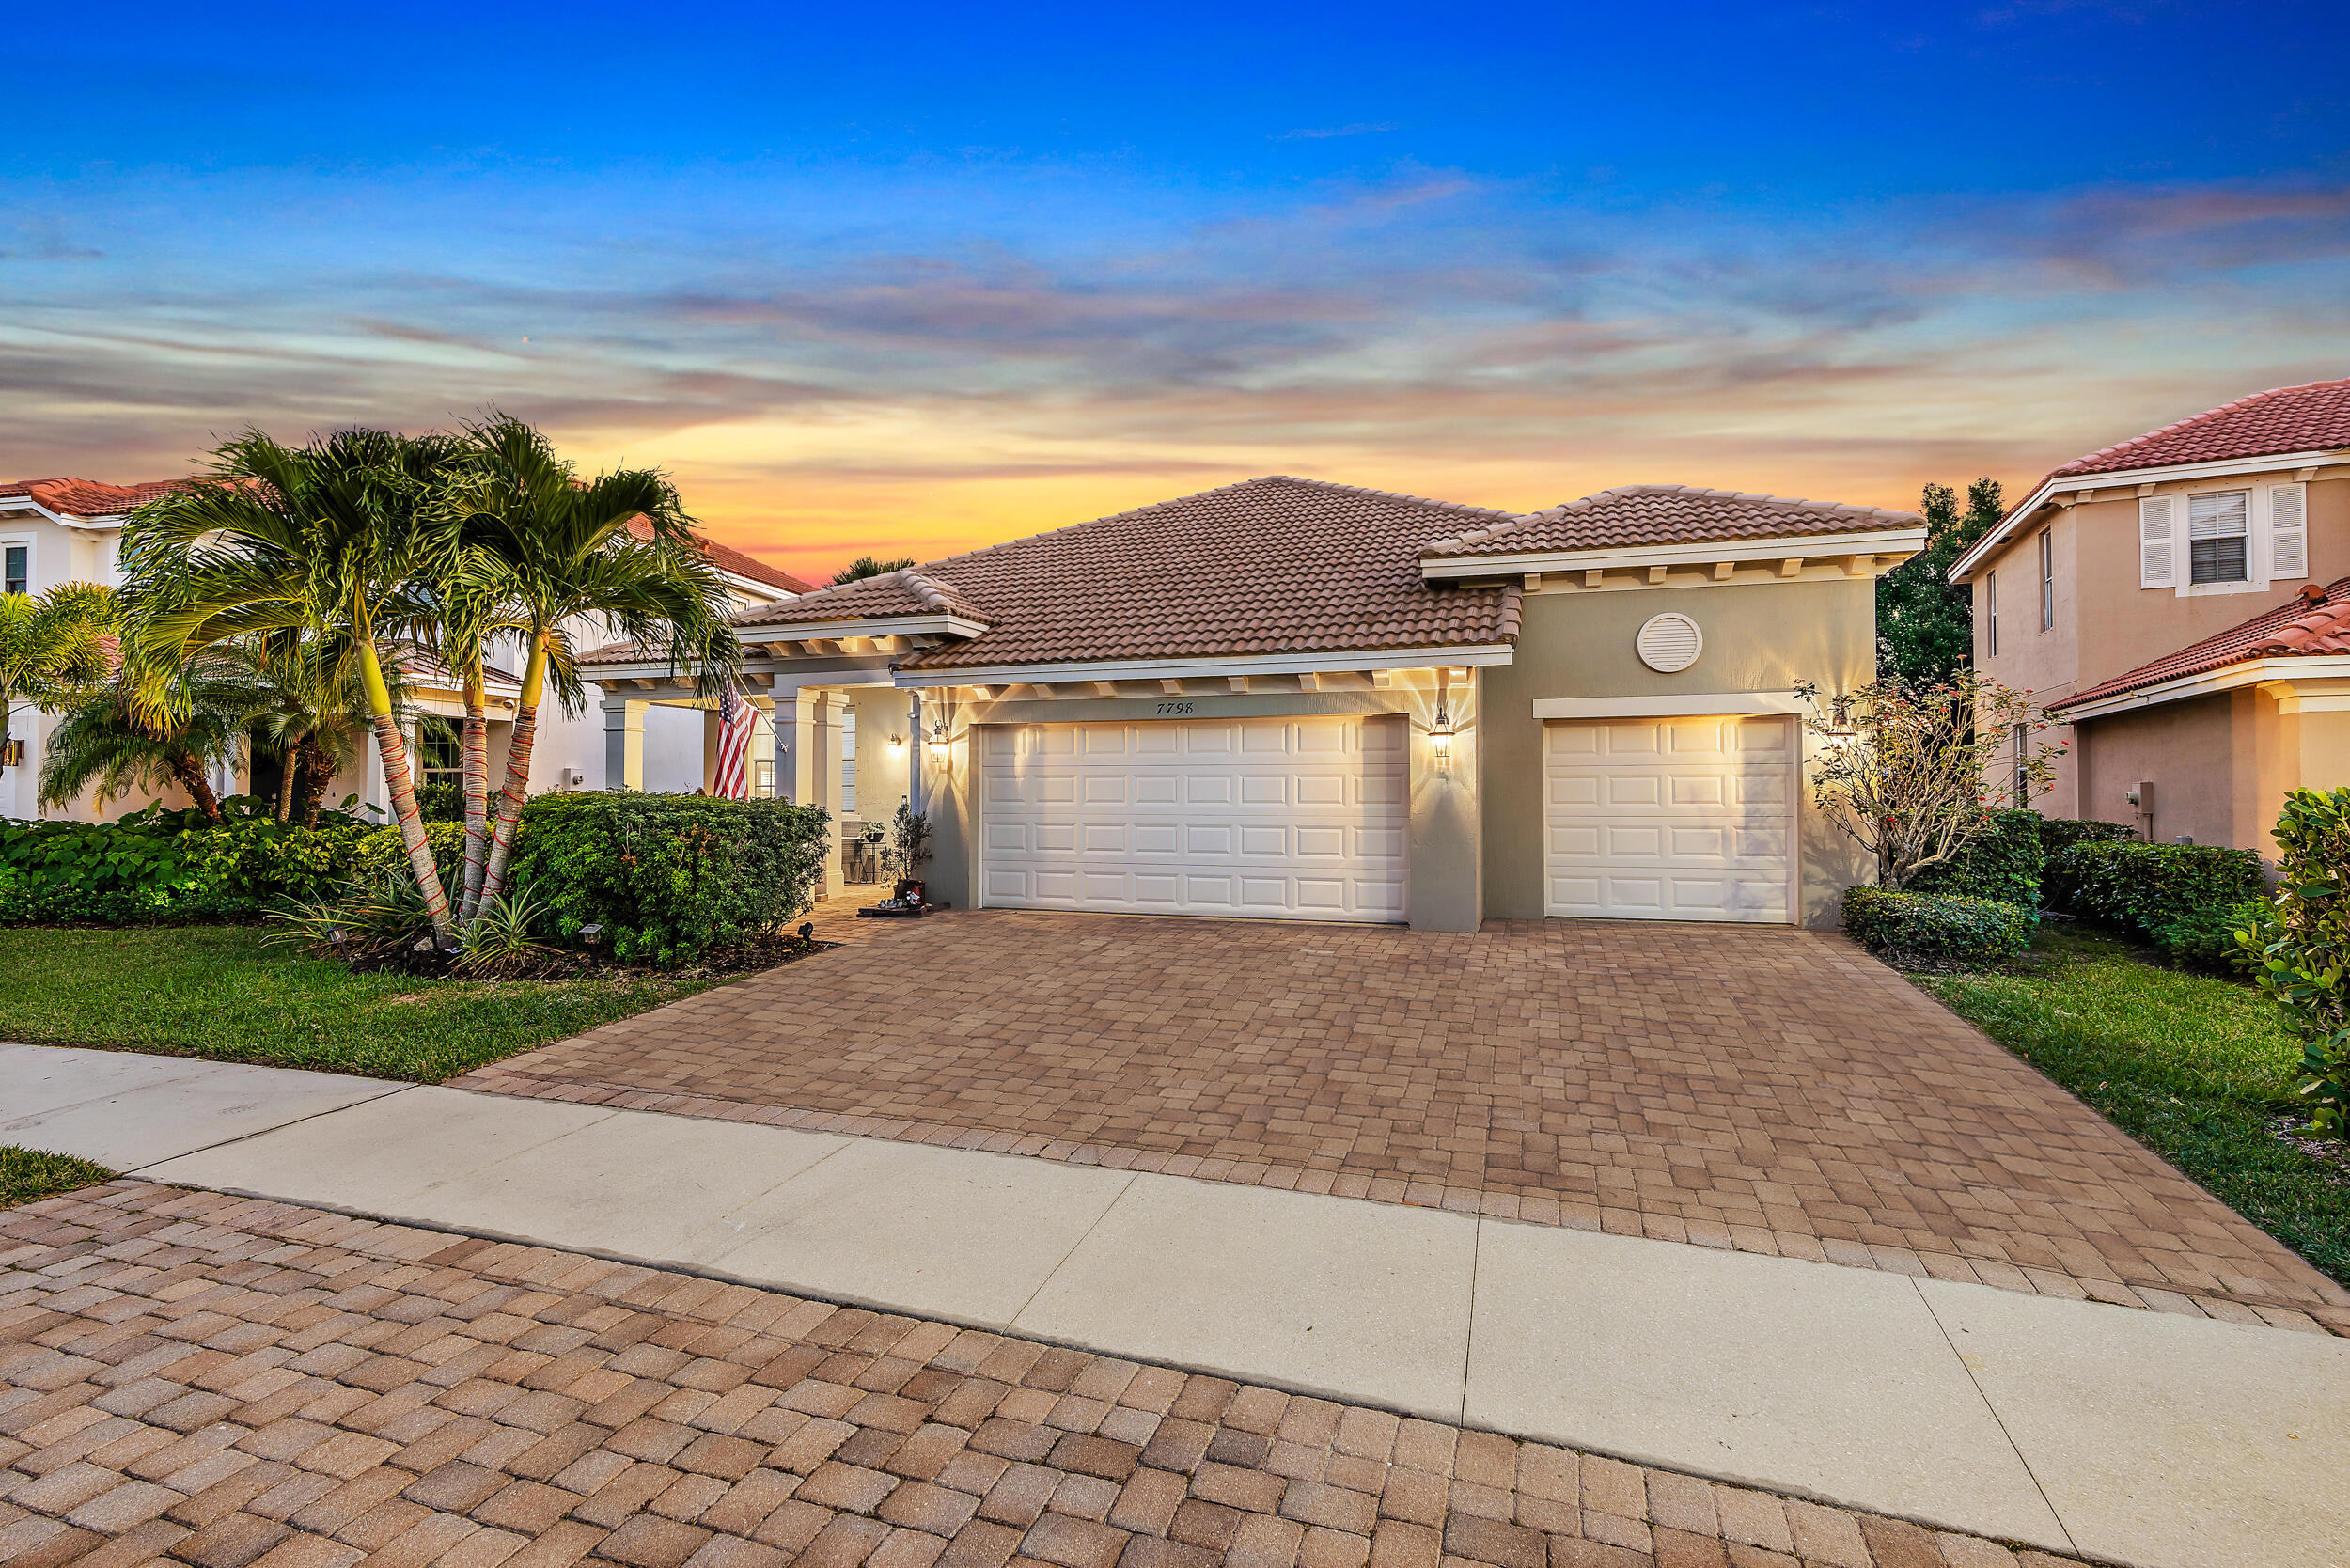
x: 909, y: 279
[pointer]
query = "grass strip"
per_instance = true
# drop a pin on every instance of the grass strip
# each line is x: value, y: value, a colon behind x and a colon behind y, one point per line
x: 219, y: 993
x: 2195, y: 1067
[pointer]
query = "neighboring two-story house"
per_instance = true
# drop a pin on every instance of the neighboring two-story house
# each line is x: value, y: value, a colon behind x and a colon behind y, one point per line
x: 2181, y: 603
x: 65, y: 530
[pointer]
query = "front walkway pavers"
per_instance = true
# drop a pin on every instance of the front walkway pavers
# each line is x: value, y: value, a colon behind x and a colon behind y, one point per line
x: 1858, y: 1387
x: 229, y: 1382
x: 1744, y: 1087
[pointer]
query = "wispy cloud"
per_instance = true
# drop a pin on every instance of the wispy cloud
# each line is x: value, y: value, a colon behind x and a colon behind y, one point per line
x: 1326, y: 134
x: 824, y: 389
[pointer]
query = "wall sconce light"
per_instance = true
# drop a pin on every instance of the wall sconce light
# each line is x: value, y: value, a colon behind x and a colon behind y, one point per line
x: 939, y: 742
x: 897, y: 742
x: 1440, y: 738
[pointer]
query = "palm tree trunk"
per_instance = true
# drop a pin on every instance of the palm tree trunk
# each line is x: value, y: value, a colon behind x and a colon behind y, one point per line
x: 286, y: 756
x: 191, y: 778
x: 318, y: 771
x: 476, y: 793
x: 517, y: 768
x: 394, y: 751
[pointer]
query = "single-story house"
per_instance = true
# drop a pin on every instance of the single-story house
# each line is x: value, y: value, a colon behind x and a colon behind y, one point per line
x: 2224, y: 728
x: 1295, y: 699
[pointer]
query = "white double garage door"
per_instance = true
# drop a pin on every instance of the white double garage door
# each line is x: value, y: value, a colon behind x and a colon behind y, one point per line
x: 1306, y: 818
x: 1293, y: 818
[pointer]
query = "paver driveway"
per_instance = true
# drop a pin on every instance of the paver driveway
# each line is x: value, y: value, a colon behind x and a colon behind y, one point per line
x: 1760, y: 1087
x: 225, y: 1382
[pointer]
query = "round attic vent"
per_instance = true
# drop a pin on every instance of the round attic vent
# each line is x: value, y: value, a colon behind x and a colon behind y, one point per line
x: 1669, y: 642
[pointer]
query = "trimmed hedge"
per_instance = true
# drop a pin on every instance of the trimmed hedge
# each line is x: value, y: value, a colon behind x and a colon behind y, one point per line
x: 670, y: 877
x: 2004, y: 863
x: 2058, y: 834
x: 151, y: 868
x: 2143, y: 887
x: 1939, y: 927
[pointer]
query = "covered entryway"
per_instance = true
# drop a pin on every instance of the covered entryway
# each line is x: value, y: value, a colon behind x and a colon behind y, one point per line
x: 1281, y: 817
x: 1670, y: 819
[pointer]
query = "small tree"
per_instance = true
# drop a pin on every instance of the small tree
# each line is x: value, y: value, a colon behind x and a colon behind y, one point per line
x: 53, y: 650
x: 909, y: 843
x: 2302, y: 958
x: 1904, y: 770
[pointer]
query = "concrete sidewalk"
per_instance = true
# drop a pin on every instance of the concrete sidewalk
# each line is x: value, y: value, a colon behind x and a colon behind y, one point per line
x: 2122, y: 1434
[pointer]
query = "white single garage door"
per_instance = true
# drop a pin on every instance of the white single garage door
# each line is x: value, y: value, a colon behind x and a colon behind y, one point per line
x: 1287, y: 819
x: 1670, y: 819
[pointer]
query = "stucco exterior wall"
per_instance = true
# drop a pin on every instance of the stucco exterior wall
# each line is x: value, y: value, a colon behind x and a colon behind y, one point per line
x: 2221, y: 765
x: 2187, y: 750
x: 1759, y: 637
x: 1444, y: 891
x: 2105, y: 623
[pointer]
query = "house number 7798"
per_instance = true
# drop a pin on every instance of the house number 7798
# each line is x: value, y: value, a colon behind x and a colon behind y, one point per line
x: 1167, y: 708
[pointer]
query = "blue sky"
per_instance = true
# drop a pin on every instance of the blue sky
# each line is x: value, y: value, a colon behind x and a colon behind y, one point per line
x: 921, y: 279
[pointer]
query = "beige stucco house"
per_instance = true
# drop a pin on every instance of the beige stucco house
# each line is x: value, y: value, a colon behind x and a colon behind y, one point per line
x: 2174, y: 600
x: 1293, y: 699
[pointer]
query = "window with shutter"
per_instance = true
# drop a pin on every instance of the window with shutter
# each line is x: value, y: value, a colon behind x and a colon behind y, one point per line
x: 2154, y: 545
x: 2218, y: 525
x: 2288, y: 533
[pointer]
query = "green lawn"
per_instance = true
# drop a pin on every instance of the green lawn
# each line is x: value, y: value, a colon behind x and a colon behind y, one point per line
x: 27, y: 1174
x: 2192, y: 1066
x: 218, y: 992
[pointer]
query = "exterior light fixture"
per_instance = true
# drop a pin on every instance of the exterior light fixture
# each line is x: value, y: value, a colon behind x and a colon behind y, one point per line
x: 338, y: 935
x: 1440, y: 736
x: 897, y: 742
x: 591, y: 936
x: 939, y: 742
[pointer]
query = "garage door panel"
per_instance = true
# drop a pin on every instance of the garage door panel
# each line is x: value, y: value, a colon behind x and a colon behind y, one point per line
x: 1297, y: 817
x: 1680, y: 819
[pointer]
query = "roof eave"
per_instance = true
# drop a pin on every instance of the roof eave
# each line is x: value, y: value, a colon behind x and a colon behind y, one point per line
x: 2332, y: 669
x: 1449, y: 655
x: 1886, y: 543
x: 1963, y: 568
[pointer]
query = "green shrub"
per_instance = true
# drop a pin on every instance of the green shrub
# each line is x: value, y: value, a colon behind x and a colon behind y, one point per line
x: 2063, y: 833
x: 441, y: 802
x: 670, y: 877
x: 385, y: 853
x: 2004, y: 863
x: 2205, y: 939
x: 146, y: 867
x: 2305, y: 962
x: 1935, y: 927
x: 2143, y: 887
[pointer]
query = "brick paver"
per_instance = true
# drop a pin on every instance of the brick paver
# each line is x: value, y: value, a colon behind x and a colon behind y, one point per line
x: 378, y: 1393
x: 1759, y: 1087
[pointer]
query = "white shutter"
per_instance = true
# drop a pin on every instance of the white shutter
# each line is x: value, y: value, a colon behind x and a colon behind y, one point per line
x: 2288, y: 533
x: 2155, y: 548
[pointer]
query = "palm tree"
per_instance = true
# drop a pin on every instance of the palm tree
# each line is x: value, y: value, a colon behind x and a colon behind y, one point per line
x: 53, y: 649
x: 117, y: 742
x: 557, y: 551
x: 341, y: 536
x: 867, y: 566
x: 317, y: 703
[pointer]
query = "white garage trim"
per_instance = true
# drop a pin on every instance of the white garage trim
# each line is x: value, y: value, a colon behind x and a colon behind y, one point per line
x: 1695, y: 704
x: 1672, y: 817
x: 1301, y: 817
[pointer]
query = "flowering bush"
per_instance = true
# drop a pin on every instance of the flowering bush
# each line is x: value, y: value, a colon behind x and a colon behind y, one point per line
x: 1903, y: 769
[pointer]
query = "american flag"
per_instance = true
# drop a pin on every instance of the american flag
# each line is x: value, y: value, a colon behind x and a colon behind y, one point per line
x: 735, y: 720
